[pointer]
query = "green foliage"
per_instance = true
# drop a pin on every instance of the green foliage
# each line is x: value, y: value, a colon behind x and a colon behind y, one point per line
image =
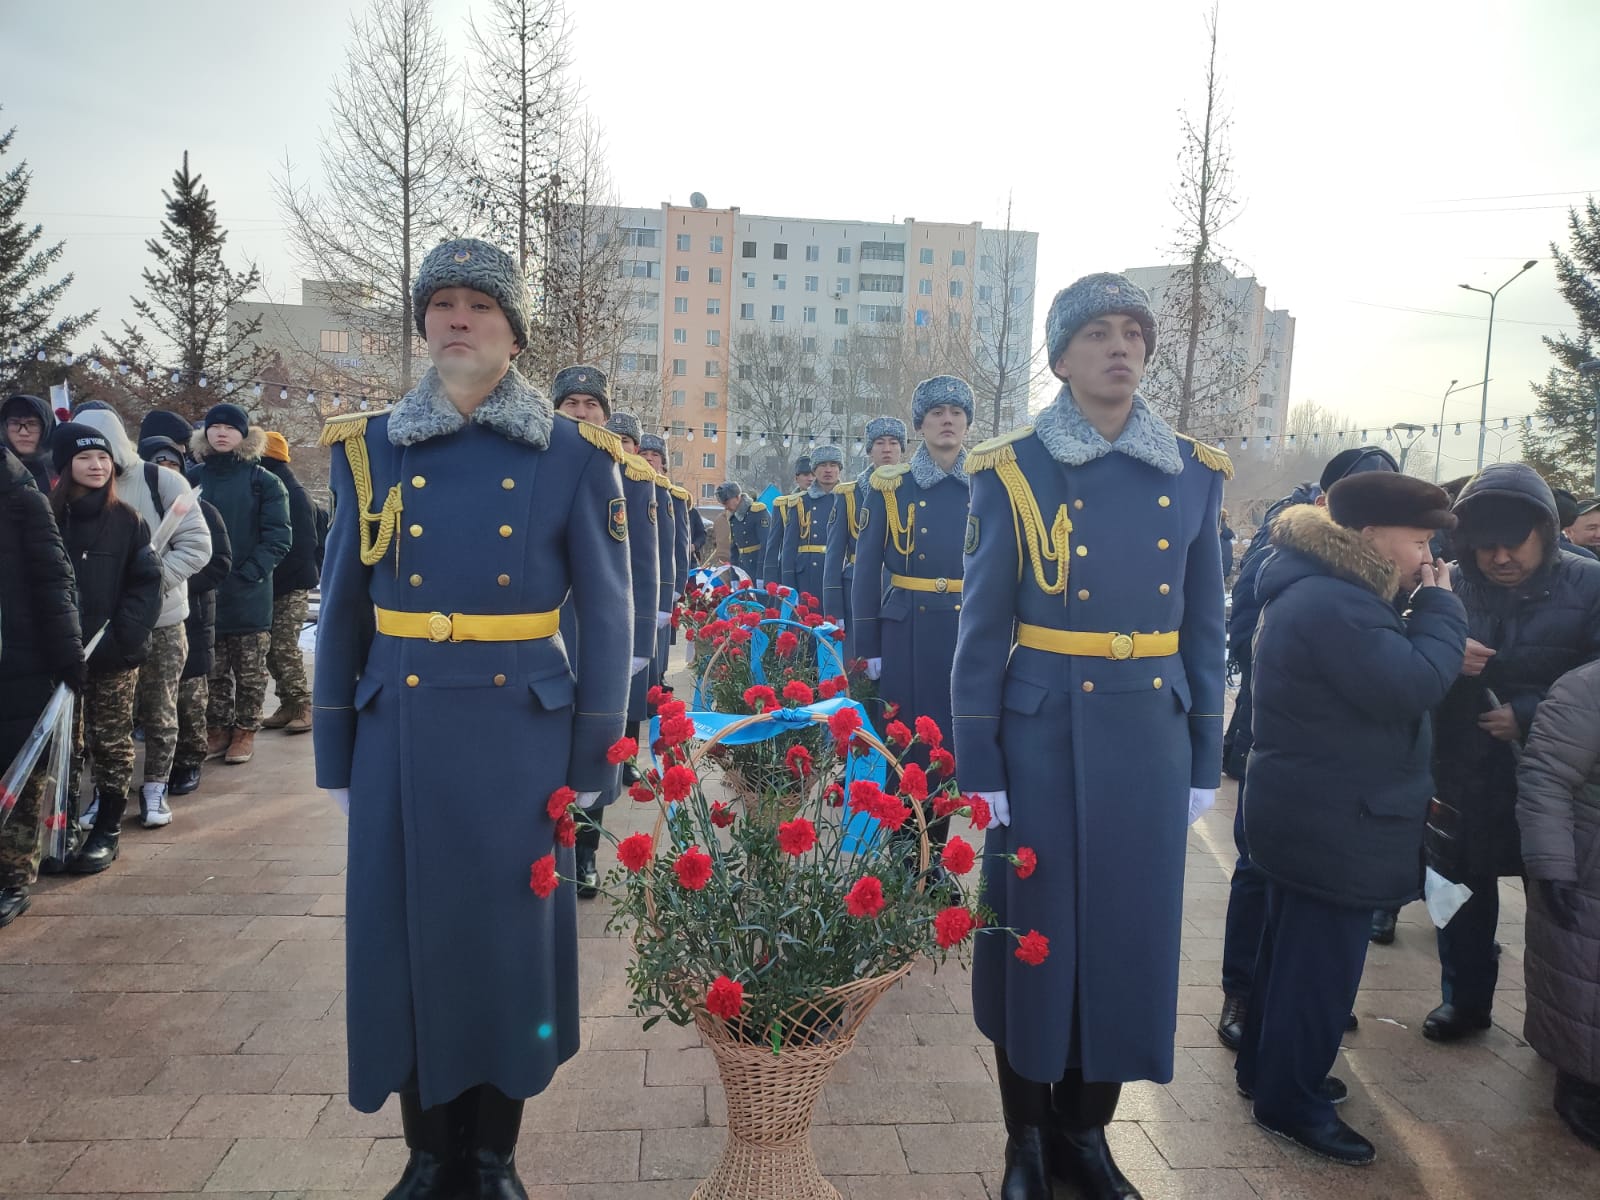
x: 1561, y: 446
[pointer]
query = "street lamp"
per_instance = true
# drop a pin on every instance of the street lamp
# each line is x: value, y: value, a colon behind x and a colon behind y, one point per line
x: 1438, y: 437
x: 1483, y: 413
x: 1416, y: 431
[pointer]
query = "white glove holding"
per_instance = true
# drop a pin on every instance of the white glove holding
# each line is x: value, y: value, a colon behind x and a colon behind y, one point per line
x: 875, y: 668
x: 638, y: 665
x: 586, y: 799
x: 999, y: 808
x: 1200, y: 799
x: 676, y: 597
x: 663, y: 619
x: 341, y: 797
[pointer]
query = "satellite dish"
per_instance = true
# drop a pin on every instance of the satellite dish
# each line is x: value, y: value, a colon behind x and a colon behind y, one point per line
x: 697, y: 200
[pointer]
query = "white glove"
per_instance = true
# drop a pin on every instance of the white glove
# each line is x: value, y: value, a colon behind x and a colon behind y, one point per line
x: 999, y: 808
x: 586, y: 799
x: 1200, y: 799
x: 663, y: 619
x: 638, y: 665
x: 341, y: 797
x: 875, y: 668
x: 676, y: 597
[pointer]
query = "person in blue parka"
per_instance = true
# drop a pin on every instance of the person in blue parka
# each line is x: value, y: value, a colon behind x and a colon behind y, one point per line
x: 886, y: 445
x: 805, y: 544
x: 448, y: 709
x: 1087, y: 693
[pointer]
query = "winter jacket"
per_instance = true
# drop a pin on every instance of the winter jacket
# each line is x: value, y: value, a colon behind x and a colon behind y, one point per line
x: 1338, y: 785
x: 200, y: 626
x: 255, y: 508
x: 39, y: 641
x: 119, y: 580
x: 190, y: 546
x: 1225, y: 538
x: 38, y: 463
x: 1539, y: 631
x: 298, y: 570
x: 1558, y: 812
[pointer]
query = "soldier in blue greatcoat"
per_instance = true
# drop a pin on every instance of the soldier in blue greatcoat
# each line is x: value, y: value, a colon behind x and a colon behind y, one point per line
x: 886, y: 445
x: 805, y: 544
x: 1087, y: 691
x: 653, y: 449
x: 447, y: 710
x: 782, y: 506
x: 748, y: 525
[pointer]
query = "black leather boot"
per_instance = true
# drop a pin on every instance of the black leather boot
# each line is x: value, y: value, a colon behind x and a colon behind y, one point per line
x: 1383, y: 922
x: 492, y: 1153
x: 588, y: 843
x: 434, y: 1170
x: 1026, y: 1105
x: 1578, y: 1105
x: 1447, y: 1023
x: 1078, y: 1149
x: 1230, y: 1025
x: 101, y: 848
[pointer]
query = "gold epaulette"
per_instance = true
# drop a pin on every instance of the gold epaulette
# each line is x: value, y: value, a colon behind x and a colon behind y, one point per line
x: 598, y: 436
x: 1207, y: 456
x: 636, y: 469
x: 347, y: 425
x: 663, y: 482
x: 986, y: 456
x: 377, y: 528
x: 679, y: 492
x: 887, y: 479
x: 757, y: 506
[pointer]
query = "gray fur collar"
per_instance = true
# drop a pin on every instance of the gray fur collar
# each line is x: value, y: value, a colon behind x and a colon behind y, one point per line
x: 864, y: 481
x: 816, y: 491
x: 927, y: 473
x: 1072, y: 441
x: 515, y: 410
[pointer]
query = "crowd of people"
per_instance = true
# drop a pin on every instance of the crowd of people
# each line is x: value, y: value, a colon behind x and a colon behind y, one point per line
x: 182, y: 564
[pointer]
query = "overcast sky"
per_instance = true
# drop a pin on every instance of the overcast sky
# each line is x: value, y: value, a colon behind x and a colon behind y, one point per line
x: 1384, y: 152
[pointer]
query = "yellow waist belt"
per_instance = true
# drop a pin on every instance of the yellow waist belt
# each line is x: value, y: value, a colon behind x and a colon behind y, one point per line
x: 747, y: 549
x: 465, y: 627
x: 813, y: 549
x: 914, y: 583
x: 1097, y: 645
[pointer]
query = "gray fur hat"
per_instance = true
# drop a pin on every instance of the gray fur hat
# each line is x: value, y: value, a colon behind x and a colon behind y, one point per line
x: 802, y: 465
x: 827, y: 454
x: 582, y: 380
x: 941, y: 389
x: 653, y: 441
x: 473, y: 263
x: 1092, y: 297
x: 886, y: 427
x: 625, y: 424
x: 727, y: 491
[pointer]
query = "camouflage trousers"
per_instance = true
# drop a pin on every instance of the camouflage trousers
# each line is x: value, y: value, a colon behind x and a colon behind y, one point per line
x: 20, y: 836
x: 156, y: 704
x: 191, y: 746
x: 105, y: 735
x: 238, y: 685
x: 284, y: 660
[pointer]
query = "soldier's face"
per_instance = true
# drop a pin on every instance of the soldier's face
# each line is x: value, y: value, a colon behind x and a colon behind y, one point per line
x: 1104, y: 361
x: 804, y: 479
x: 944, y: 427
x: 827, y: 474
x: 628, y: 444
x: 584, y: 408
x: 730, y: 504
x: 653, y: 457
x: 469, y: 338
x: 885, y: 451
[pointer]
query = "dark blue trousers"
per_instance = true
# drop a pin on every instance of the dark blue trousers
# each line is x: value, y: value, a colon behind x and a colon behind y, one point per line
x: 1469, y: 965
x: 1247, y: 909
x: 1306, y: 979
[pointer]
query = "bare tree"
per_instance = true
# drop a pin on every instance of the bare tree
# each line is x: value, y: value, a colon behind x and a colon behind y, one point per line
x: 777, y: 393
x: 1002, y: 354
x: 392, y: 177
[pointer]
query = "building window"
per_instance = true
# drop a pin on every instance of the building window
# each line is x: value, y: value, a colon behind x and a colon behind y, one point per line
x: 681, y: 274
x: 880, y: 314
x: 746, y: 372
x: 780, y: 283
x: 844, y: 254
x: 683, y: 243
x: 709, y: 430
x: 741, y: 462
x: 680, y: 304
x: 841, y: 316
x: 640, y: 237
x: 808, y: 374
x: 838, y: 377
x: 680, y: 337
x: 335, y: 341
x: 749, y: 279
x: 639, y: 268
x: 985, y: 262
x: 714, y: 306
x: 780, y: 250
x: 645, y: 363
x: 777, y: 312
x: 678, y: 429
x: 841, y: 345
x: 808, y: 345
x: 808, y: 314
x: 714, y: 275
x: 708, y: 461
x: 985, y: 292
x: 958, y: 258
x: 677, y: 458
x: 807, y: 404
x: 811, y: 283
x: 985, y: 325
x: 841, y: 286
x: 883, y: 283
x: 924, y: 287
x: 747, y: 250
x: 957, y: 288
x: 747, y: 312
x: 680, y: 366
x: 713, y: 399
x: 774, y: 374
x: 955, y: 321
x: 713, y: 337
x: 883, y: 252
x: 925, y: 256
x: 679, y: 398
x: 1019, y: 294
x: 713, y: 369
x: 642, y: 332
x: 813, y: 253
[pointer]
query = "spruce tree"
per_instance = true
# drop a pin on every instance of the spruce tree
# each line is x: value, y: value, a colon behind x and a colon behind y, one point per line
x: 28, y: 298
x: 1561, y: 445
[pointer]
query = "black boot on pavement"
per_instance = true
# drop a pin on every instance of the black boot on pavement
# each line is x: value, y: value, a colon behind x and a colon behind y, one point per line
x: 1332, y: 1089
x: 492, y: 1154
x: 435, y: 1170
x: 1230, y: 1025
x: 1383, y: 927
x: 184, y: 779
x: 102, y: 847
x: 1079, y: 1150
x: 1447, y: 1023
x: 1578, y: 1106
x: 1335, y: 1141
x: 14, y: 902
x: 1026, y: 1106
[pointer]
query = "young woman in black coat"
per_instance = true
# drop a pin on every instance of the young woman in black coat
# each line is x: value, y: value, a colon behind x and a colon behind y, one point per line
x: 119, y: 587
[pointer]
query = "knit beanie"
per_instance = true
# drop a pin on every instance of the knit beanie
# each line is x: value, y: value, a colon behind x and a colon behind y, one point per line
x: 277, y: 447
x: 71, y: 439
x: 229, y: 414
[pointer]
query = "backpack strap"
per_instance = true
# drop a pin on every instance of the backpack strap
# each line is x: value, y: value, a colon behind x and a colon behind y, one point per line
x: 152, y: 480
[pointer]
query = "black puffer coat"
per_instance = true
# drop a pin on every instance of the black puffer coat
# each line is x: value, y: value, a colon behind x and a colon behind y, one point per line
x: 39, y: 642
x: 298, y: 570
x: 1539, y: 631
x: 119, y: 579
x: 200, y: 626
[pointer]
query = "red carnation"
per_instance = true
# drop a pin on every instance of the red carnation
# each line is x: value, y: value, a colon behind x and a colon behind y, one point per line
x: 672, y: 708
x: 865, y: 795
x: 772, y: 589
x: 622, y: 750
x: 656, y: 695
x: 725, y: 998
x: 865, y: 899
x: 942, y: 761
x: 560, y: 800
x: 914, y: 781
x: 1026, y: 860
x: 944, y: 804
x: 981, y: 813
x: 1033, y: 947
x: 958, y: 856
x: 761, y: 698
x: 827, y: 689
x: 635, y: 851
x: 928, y: 731
x: 722, y: 815
x: 838, y: 635
x: 798, y: 760
x: 951, y: 927
x: 843, y: 725
x: 809, y: 600
x: 544, y: 879
x: 676, y: 782
x: 897, y: 734
x: 891, y: 711
x: 890, y: 812
x: 693, y: 867
x: 797, y: 836
x: 675, y: 731
x: 641, y: 792
x: 833, y: 794
x: 799, y: 691
x: 566, y: 830
x: 773, y: 614
x: 788, y: 642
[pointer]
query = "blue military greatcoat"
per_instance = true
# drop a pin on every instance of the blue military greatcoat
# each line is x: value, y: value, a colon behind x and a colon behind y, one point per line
x: 839, y: 564
x: 908, y: 585
x: 639, y: 488
x: 748, y: 526
x: 457, y: 974
x: 805, y: 540
x: 667, y: 541
x: 1109, y: 550
x: 772, y: 559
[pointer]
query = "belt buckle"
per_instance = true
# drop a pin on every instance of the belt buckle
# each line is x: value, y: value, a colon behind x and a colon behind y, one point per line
x: 1121, y: 646
x: 941, y: 584
x: 440, y: 628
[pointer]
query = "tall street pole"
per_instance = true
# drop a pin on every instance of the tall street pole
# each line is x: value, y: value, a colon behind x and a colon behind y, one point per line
x: 1483, y: 413
x: 1438, y: 433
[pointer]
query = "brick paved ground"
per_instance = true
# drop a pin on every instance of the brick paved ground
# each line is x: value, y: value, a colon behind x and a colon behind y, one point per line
x: 177, y: 1026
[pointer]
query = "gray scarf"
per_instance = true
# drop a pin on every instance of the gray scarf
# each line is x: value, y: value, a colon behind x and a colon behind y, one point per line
x: 515, y: 409
x: 928, y: 474
x: 1072, y: 441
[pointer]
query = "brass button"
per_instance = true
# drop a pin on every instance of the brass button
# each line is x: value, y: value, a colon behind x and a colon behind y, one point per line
x: 920, y: 557
x: 508, y: 484
x: 500, y: 681
x: 505, y: 531
x: 504, y: 581
x: 924, y: 529
x: 418, y: 481
x: 1164, y: 501
x: 1165, y: 588
x: 1083, y: 593
x: 1163, y: 544
x: 958, y: 608
x: 416, y: 581
x: 416, y: 531
x: 922, y: 503
x: 412, y: 681
x: 1088, y: 686
x: 1077, y: 504
x: 1083, y: 551
x: 1157, y: 682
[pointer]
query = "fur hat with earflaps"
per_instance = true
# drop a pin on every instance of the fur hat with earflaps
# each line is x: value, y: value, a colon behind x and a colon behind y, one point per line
x: 1385, y: 498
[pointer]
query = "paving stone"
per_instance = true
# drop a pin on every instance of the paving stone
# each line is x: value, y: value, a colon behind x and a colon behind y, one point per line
x: 144, y: 1166
x: 202, y: 1074
x: 36, y: 1167
x: 251, y: 1117
x: 113, y: 1118
x: 291, y: 1163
